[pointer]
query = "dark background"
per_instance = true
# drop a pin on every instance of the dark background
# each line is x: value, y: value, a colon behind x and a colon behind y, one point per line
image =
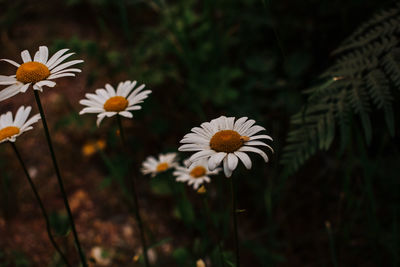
x: 201, y: 59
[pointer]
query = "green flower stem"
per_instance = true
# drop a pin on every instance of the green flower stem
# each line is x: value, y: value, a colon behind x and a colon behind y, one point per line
x: 234, y: 216
x: 135, y: 199
x: 60, y: 182
x: 39, y: 200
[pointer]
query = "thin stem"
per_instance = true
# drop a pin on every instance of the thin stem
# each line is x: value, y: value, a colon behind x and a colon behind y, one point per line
x: 207, y: 212
x: 42, y: 208
x: 135, y: 199
x: 60, y: 182
x: 234, y: 213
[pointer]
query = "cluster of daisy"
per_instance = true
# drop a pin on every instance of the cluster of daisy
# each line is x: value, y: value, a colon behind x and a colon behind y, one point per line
x: 41, y: 71
x: 222, y: 141
x: 195, y: 174
x: 217, y: 145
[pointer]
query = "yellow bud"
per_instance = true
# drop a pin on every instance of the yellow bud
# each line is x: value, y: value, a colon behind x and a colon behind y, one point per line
x: 202, y: 190
x: 200, y: 263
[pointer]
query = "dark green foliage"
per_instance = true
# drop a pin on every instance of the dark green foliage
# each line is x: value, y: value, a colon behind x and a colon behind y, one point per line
x: 363, y: 78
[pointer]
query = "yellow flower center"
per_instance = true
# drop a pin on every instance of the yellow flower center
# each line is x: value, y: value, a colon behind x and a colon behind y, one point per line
x: 163, y: 166
x: 32, y: 72
x: 8, y: 132
x: 116, y: 103
x: 227, y: 141
x: 198, y: 171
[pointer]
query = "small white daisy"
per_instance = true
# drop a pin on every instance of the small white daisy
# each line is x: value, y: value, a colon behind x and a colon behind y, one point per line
x: 39, y: 72
x: 108, y: 102
x: 224, y: 140
x: 10, y: 129
x: 197, y: 174
x: 153, y: 166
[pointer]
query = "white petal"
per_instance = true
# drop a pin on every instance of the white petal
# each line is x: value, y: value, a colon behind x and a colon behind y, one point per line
x: 90, y: 110
x: 46, y: 83
x: 32, y: 120
x: 227, y: 171
x: 215, y: 160
x: 24, y: 88
x: 7, y: 80
x: 21, y: 116
x: 255, y: 150
x: 232, y: 161
x: 55, y: 57
x: 239, y: 123
x: 110, y: 90
x: 11, y: 62
x: 90, y: 103
x: 253, y: 130
x: 66, y: 65
x: 55, y: 76
x: 58, y: 61
x: 10, y: 91
x: 134, y: 108
x: 241, y: 130
x: 26, y: 57
x: 37, y: 56
x: 244, y: 158
x: 99, y: 119
x: 258, y: 143
x: 201, y: 154
x: 126, y: 114
x: 261, y: 136
x: 191, y: 147
x: 103, y: 94
x: 44, y: 54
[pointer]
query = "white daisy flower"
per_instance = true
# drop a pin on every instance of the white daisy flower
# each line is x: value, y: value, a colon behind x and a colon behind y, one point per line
x: 153, y: 166
x: 108, y: 102
x: 197, y: 174
x: 39, y: 72
x: 227, y: 141
x: 10, y: 129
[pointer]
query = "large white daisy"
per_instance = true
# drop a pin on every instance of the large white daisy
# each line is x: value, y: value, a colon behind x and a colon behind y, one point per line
x: 227, y: 141
x: 197, y: 174
x: 108, y: 102
x: 164, y: 162
x: 10, y: 129
x: 38, y: 72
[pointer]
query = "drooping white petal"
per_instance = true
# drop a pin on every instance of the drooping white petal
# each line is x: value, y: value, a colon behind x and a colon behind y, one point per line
x: 261, y: 136
x: 215, y: 160
x: 191, y: 147
x: 227, y: 171
x: 10, y: 91
x: 126, y: 114
x: 24, y: 88
x: 244, y: 158
x: 232, y: 161
x: 201, y: 154
x: 255, y: 150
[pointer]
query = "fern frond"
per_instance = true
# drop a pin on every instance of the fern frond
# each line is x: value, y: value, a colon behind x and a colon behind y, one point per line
x: 379, y: 90
x: 391, y: 66
x: 361, y: 79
